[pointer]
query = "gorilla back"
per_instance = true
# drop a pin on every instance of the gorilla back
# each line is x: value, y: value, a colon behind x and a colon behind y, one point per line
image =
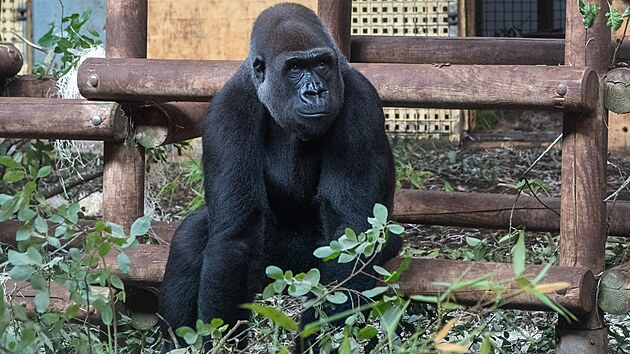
x: 294, y: 152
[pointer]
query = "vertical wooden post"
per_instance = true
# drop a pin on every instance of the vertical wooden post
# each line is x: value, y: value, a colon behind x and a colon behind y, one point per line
x: 584, y: 149
x: 337, y: 15
x: 123, y: 170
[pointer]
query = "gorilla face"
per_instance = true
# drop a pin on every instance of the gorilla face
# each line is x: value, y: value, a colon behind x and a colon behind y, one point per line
x: 296, y: 69
x: 302, y: 90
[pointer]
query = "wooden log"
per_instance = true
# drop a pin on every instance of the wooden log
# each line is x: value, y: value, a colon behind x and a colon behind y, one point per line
x: 168, y: 123
x: 614, y: 290
x: 584, y: 155
x: 21, y: 293
x: 31, y: 86
x: 457, y: 50
x: 465, y: 51
x: 49, y: 118
x: 417, y: 85
x: 478, y: 210
x: 617, y: 90
x: 123, y: 164
x: 577, y: 298
x: 476, y: 86
x: 486, y: 210
x: 337, y: 16
x: 154, y: 80
x: 148, y: 263
x: 10, y: 60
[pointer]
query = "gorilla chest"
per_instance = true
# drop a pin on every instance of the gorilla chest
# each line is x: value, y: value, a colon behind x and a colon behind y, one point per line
x: 292, y: 177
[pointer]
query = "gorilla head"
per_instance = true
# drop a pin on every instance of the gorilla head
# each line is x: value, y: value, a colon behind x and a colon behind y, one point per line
x: 296, y: 69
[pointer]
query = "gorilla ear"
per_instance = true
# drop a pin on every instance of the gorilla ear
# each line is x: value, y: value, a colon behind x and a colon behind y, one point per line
x: 259, y: 68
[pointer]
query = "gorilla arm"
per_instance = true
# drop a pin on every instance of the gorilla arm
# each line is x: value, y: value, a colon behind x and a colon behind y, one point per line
x: 235, y: 197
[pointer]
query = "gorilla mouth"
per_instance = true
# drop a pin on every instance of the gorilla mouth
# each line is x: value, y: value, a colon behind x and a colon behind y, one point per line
x: 314, y: 114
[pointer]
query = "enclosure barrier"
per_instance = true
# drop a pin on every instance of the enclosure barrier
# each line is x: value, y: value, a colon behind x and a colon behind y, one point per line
x: 416, y: 85
x: 407, y: 81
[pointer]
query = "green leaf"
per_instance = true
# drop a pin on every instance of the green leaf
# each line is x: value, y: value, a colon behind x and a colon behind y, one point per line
x: 424, y: 298
x: 382, y: 271
x: 23, y: 233
x: 73, y: 213
x: 116, y: 282
x: 21, y: 272
x: 268, y: 292
x: 367, y: 332
x: 374, y: 292
x: 448, y: 187
x: 274, y: 315
x: 350, y: 234
x: 34, y: 256
x: 124, y: 263
x: 107, y: 315
x: 26, y: 214
x: 44, y: 171
x: 518, y: 255
x: 472, y: 241
x: 589, y: 13
x: 274, y: 272
x: 614, y: 18
x: 42, y: 300
x: 396, y: 229
x: 12, y: 176
x: 116, y: 230
x: 323, y: 252
x: 141, y: 226
x: 312, y: 277
x: 9, y: 162
x: 41, y: 225
x: 486, y: 346
x: 337, y: 297
x: 344, y: 347
x: 380, y: 213
x: 54, y: 242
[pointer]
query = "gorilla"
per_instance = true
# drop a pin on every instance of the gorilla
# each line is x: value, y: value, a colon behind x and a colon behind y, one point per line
x: 294, y: 152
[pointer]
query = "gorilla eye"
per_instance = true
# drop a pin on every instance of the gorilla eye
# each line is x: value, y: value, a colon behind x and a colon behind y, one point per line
x: 322, y: 65
x: 294, y: 68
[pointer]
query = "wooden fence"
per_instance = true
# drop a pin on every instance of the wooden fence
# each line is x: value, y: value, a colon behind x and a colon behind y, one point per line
x: 483, y: 73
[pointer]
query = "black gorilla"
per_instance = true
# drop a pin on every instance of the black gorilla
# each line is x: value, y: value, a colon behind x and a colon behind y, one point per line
x: 294, y: 151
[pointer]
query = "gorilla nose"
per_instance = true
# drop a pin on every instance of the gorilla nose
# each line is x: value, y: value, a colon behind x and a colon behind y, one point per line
x: 313, y: 90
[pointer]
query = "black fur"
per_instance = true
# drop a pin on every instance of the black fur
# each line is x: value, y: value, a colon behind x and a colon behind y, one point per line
x: 280, y: 184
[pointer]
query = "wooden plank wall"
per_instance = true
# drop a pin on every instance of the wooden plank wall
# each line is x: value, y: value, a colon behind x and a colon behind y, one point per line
x: 204, y: 29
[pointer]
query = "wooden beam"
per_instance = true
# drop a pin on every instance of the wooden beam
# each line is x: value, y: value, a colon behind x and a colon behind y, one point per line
x: 478, y: 50
x: 30, y: 86
x: 123, y: 164
x: 614, y: 290
x: 417, y: 85
x: 10, y: 60
x: 22, y: 294
x: 475, y: 210
x: 337, y: 16
x: 50, y: 118
x: 457, y: 50
x: 485, y: 210
x: 584, y: 155
x: 148, y: 263
x: 171, y: 122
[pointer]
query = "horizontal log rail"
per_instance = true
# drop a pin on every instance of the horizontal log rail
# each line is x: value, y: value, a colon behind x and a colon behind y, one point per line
x: 406, y: 85
x: 149, y: 261
x: 463, y: 50
x: 61, y: 119
x: 475, y: 210
x: 31, y: 86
